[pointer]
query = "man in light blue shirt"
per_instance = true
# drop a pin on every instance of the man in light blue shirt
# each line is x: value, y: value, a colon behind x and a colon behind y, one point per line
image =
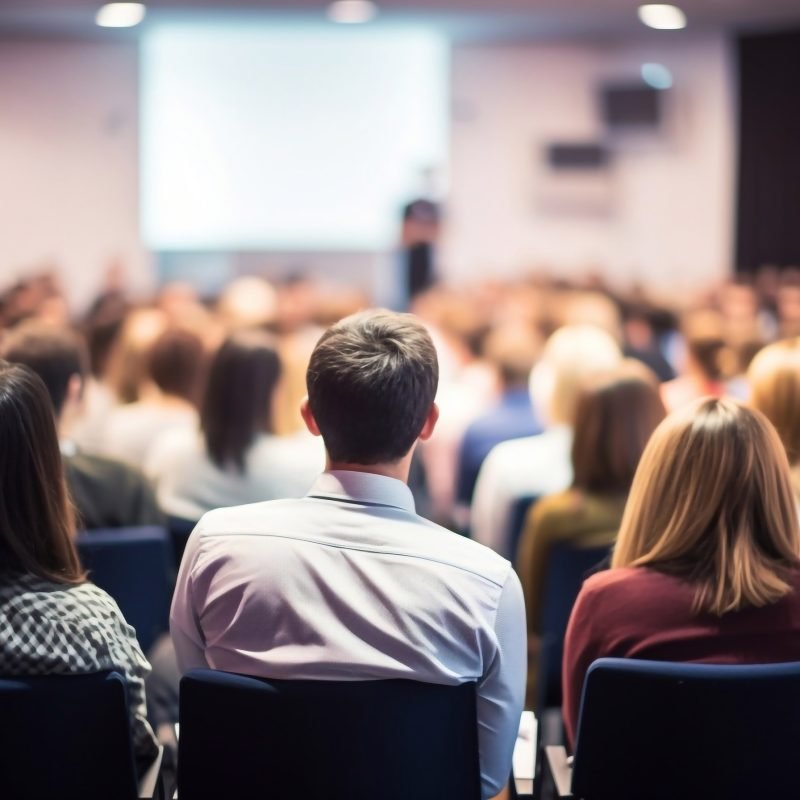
x: 349, y: 583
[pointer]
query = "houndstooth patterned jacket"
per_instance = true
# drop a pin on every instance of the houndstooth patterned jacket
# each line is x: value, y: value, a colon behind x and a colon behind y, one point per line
x: 50, y: 628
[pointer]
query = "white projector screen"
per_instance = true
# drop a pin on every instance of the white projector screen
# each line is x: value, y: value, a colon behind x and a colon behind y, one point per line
x: 287, y: 137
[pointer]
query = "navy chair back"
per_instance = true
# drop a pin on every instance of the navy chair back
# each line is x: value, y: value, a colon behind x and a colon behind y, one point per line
x: 337, y: 740
x: 179, y: 530
x: 66, y: 737
x: 136, y: 567
x: 690, y: 731
x: 516, y: 524
x: 567, y: 567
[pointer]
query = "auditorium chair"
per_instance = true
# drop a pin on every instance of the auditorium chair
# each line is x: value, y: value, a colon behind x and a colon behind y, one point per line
x: 179, y: 530
x: 68, y: 737
x: 337, y: 740
x: 136, y: 567
x: 516, y: 524
x: 663, y: 731
x: 567, y: 567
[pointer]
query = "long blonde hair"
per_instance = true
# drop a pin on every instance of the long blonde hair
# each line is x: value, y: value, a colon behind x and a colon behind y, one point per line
x: 712, y: 503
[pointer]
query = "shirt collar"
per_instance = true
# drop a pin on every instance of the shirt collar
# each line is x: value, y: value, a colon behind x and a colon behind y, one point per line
x: 363, y: 487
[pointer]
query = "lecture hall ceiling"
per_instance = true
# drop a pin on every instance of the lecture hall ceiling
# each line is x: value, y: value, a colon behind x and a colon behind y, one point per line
x: 474, y: 19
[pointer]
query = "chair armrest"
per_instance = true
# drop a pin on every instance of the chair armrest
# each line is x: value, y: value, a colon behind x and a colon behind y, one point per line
x: 560, y: 769
x: 149, y: 781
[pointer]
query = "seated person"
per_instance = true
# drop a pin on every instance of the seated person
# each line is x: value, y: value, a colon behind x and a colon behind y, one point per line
x: 106, y: 493
x: 235, y: 458
x: 705, y: 569
x: 774, y: 378
x: 536, y: 466
x: 167, y: 399
x: 615, y: 415
x: 348, y: 582
x: 52, y: 620
x: 512, y: 350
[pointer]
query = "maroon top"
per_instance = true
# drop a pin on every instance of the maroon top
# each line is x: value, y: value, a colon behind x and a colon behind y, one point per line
x: 636, y: 612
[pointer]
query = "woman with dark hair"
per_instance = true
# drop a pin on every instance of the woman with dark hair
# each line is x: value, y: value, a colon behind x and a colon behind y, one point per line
x: 236, y: 457
x: 615, y: 414
x: 706, y: 566
x: 52, y: 620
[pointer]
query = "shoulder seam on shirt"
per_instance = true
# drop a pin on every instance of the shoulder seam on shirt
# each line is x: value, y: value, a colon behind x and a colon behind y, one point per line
x: 362, y: 549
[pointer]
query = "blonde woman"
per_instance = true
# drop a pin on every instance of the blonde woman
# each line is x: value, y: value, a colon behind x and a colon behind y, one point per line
x: 774, y: 378
x: 706, y: 563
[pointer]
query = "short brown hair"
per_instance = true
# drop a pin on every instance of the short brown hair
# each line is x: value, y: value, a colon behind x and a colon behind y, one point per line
x: 615, y: 415
x: 371, y: 383
x: 712, y: 503
x: 176, y: 363
x: 55, y: 354
x: 36, y: 519
x: 774, y: 377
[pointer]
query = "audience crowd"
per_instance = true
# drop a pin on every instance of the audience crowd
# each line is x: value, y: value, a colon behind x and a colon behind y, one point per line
x: 667, y: 433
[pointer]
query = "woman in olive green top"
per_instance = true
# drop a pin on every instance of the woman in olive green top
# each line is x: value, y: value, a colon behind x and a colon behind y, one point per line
x: 616, y: 413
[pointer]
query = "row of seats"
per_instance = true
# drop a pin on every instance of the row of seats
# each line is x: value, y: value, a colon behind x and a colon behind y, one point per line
x: 647, y: 729
x: 243, y: 737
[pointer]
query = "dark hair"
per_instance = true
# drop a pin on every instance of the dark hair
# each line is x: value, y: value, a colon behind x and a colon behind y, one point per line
x: 176, y: 363
x: 36, y: 518
x: 615, y: 415
x: 371, y: 383
x: 54, y: 354
x: 238, y: 399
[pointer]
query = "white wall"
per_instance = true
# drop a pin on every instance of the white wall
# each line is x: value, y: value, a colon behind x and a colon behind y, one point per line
x: 668, y: 210
x: 69, y: 162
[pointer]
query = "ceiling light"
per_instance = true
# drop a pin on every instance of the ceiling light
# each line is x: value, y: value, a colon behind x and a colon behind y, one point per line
x: 120, y: 15
x: 352, y: 12
x: 662, y: 16
x: 657, y: 76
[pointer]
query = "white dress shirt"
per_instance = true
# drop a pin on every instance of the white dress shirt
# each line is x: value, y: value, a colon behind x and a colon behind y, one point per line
x: 531, y: 467
x: 348, y: 583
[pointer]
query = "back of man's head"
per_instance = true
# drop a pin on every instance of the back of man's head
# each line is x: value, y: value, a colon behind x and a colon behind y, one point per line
x: 371, y: 383
x: 55, y: 354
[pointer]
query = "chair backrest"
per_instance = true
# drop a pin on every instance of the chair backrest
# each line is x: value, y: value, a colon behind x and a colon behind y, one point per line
x: 664, y: 731
x: 179, y: 530
x: 338, y: 740
x: 567, y: 567
x: 66, y: 737
x: 136, y: 567
x: 516, y: 524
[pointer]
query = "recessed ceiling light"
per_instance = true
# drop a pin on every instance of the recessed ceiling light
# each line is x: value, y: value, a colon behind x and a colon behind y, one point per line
x: 657, y: 76
x: 120, y: 15
x: 352, y: 12
x: 662, y: 16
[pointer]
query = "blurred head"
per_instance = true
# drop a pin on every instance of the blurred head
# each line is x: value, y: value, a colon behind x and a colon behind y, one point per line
x: 176, y: 364
x: 774, y: 378
x: 571, y: 355
x: 513, y: 350
x: 371, y: 383
x: 712, y: 503
x: 238, y: 403
x: 248, y: 302
x: 36, y: 520
x: 706, y: 344
x: 591, y: 308
x: 57, y: 355
x: 127, y: 365
x: 616, y: 413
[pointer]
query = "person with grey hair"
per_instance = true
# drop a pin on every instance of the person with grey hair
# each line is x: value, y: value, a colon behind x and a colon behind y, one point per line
x: 362, y: 586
